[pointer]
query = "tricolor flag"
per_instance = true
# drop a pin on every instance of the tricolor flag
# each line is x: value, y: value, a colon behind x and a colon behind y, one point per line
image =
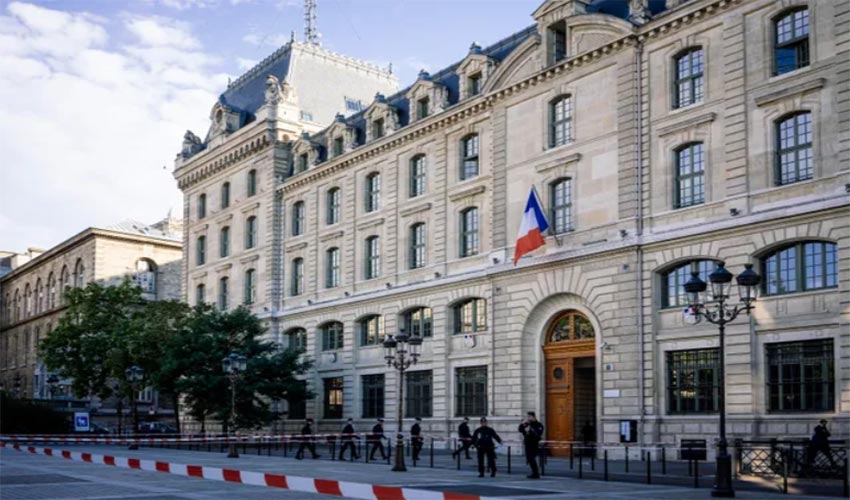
x: 531, y: 227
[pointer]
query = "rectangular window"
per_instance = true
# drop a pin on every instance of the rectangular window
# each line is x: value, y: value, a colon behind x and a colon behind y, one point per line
x: 200, y: 291
x: 417, y: 246
x: 418, y: 323
x: 297, y: 409
x: 560, y: 121
x: 794, y: 149
x: 417, y: 176
x: 332, y: 268
x: 225, y: 195
x: 373, y: 258
x: 372, y: 330
x: 333, y: 201
x: 303, y: 162
x: 297, y: 277
x: 562, y: 204
x: 250, y: 287
x: 469, y: 157
x: 372, y: 387
x: 373, y: 192
x: 332, y: 337
x: 222, y: 294
x: 298, y: 218
x: 202, y: 206
x: 418, y: 394
x: 306, y: 116
x: 333, y: 397
x: 792, y: 42
x: 378, y: 128
x: 693, y: 381
x: 469, y: 232
x: 690, y: 175
x: 801, y: 376
x: 252, y: 183
x: 557, y: 43
x: 224, y: 242
x: 689, y: 78
x: 474, y: 85
x: 339, y: 146
x: 471, y: 391
x: 422, y: 108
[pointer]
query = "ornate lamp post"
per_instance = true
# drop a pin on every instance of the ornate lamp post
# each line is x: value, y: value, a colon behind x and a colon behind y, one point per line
x: 52, y: 382
x: 717, y: 311
x: 134, y: 375
x: 398, y: 357
x: 233, y: 365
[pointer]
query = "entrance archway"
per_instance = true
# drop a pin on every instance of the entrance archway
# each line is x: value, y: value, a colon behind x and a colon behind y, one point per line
x: 570, y: 359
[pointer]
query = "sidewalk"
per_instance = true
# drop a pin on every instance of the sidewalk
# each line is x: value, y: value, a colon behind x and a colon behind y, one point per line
x: 444, y: 479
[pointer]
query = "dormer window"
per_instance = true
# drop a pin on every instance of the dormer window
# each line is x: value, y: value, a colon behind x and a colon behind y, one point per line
x: 422, y: 108
x: 352, y: 104
x: 474, y: 84
x: 306, y: 116
x: 338, y: 146
x: 378, y: 128
x: 303, y: 160
x: 557, y: 41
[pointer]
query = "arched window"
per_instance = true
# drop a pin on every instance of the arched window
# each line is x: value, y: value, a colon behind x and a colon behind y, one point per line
x: 298, y: 213
x: 17, y: 306
x: 417, y: 255
x: 7, y: 309
x: 570, y: 325
x: 225, y: 195
x: 371, y: 330
x: 224, y: 242
x: 560, y: 121
x: 51, y: 291
x: 417, y: 176
x: 372, y: 258
x: 561, y: 197
x: 297, y: 285
x: 202, y: 205
x: 689, y: 77
x: 65, y: 284
x: 297, y: 338
x: 145, y: 276
x: 250, y: 292
x: 223, y: 293
x: 251, y: 232
x: 39, y: 297
x: 673, y: 281
x: 334, y: 204
x: 27, y: 301
x: 418, y: 322
x: 690, y: 175
x: 794, y: 148
x: 79, y: 274
x: 470, y: 316
x: 332, y: 270
x: 251, y: 183
x: 373, y: 192
x: 200, y: 294
x: 799, y: 267
x: 469, y: 232
x: 201, y: 250
x: 791, y: 44
x: 332, y: 336
x: 469, y: 157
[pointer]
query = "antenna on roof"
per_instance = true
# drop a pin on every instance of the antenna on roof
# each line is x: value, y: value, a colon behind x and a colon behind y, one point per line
x: 311, y: 32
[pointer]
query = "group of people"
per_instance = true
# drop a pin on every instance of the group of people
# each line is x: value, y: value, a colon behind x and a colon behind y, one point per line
x: 484, y: 440
x: 375, y: 439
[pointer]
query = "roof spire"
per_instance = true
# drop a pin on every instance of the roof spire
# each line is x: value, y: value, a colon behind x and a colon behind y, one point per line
x: 311, y: 32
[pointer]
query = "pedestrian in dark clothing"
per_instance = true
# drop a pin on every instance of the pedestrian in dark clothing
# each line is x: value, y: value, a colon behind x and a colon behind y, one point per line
x: 348, y: 441
x: 465, y: 438
x: 588, y: 437
x: 306, y: 441
x: 532, y: 433
x: 485, y: 438
x: 376, y: 437
x: 416, y: 438
x: 819, y: 443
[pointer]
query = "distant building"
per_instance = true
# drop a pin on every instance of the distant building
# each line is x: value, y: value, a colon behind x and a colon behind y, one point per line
x: 662, y: 138
x: 31, y: 297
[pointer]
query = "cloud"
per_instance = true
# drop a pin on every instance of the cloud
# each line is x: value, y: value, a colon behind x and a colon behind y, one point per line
x: 417, y: 64
x: 245, y: 64
x: 87, y: 125
x: 187, y: 4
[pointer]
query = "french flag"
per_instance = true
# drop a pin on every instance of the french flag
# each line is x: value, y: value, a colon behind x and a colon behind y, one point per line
x: 531, y: 228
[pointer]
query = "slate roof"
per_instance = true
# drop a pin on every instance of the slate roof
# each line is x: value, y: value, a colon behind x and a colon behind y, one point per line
x: 135, y: 227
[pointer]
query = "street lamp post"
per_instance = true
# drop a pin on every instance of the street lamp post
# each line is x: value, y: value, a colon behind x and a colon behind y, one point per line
x: 233, y: 365
x: 717, y: 311
x: 52, y: 382
x: 134, y: 375
x: 17, y: 385
x: 398, y: 357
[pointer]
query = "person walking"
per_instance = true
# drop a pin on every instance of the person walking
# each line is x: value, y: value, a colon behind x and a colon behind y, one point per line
x: 376, y: 437
x: 465, y: 438
x: 819, y: 443
x: 485, y: 438
x: 307, y: 441
x: 348, y: 440
x: 532, y: 433
x: 416, y: 438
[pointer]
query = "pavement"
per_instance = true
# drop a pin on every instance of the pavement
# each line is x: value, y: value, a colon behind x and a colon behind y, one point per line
x: 25, y: 476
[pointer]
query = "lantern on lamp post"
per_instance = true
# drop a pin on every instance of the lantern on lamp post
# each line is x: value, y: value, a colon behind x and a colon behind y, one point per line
x: 401, y: 352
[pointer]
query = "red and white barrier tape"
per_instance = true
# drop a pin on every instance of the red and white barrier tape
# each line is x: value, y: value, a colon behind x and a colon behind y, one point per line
x: 292, y: 483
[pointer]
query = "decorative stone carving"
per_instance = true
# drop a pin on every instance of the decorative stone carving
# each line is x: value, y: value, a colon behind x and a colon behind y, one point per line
x: 273, y: 90
x: 191, y: 144
x: 639, y: 11
x: 475, y: 63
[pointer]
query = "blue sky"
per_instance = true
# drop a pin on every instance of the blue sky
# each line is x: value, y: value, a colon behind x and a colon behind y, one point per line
x: 96, y: 94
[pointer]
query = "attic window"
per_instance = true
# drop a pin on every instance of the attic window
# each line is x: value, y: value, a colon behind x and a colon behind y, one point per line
x: 557, y: 42
x: 302, y: 163
x: 422, y: 108
x: 352, y: 104
x: 474, y: 84
x: 339, y: 146
x: 378, y: 128
x: 306, y: 116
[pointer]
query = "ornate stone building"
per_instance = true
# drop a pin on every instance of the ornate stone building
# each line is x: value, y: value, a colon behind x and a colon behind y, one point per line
x: 31, y: 297
x: 662, y: 137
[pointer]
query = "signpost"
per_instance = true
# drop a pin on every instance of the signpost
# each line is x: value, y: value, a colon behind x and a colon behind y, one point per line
x: 81, y: 421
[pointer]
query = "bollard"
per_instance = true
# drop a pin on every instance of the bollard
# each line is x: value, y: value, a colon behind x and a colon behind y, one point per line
x: 432, y: 453
x: 259, y: 447
x: 389, y: 451
x: 285, y: 447
x: 605, y: 463
x: 846, y: 476
x: 411, y: 452
x: 696, y: 473
x: 690, y: 468
x: 458, y: 461
x: 209, y: 447
x: 571, y: 456
x: 593, y: 458
x: 785, y: 475
x: 543, y: 461
x: 648, y: 467
x: 663, y: 460
x: 580, y: 465
x: 627, y: 459
x: 509, y: 459
x: 333, y: 449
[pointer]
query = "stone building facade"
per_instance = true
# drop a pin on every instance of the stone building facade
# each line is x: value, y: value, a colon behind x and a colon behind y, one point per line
x: 662, y: 137
x: 31, y: 294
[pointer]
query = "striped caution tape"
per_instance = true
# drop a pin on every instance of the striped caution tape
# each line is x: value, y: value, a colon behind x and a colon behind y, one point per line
x: 292, y: 483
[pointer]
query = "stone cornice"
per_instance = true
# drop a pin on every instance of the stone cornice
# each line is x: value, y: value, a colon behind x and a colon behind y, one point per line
x: 224, y: 218
x: 331, y: 236
x: 370, y: 223
x: 467, y: 193
x: 296, y: 247
x: 687, y: 123
x: 252, y: 206
x: 573, y: 158
x: 223, y: 267
x: 249, y: 258
x: 793, y: 90
x: 416, y: 209
x: 200, y: 168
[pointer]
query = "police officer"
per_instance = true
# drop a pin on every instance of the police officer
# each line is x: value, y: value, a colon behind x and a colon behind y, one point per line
x: 416, y: 438
x: 376, y: 437
x: 306, y: 440
x: 485, y: 438
x: 819, y: 444
x: 465, y: 438
x: 532, y: 432
x: 348, y: 441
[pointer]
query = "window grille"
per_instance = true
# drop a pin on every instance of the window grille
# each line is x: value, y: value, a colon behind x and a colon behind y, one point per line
x: 801, y: 376
x: 471, y: 391
x: 693, y: 381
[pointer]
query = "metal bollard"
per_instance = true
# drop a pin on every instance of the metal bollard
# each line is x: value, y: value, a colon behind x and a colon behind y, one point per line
x: 432, y: 453
x: 509, y: 459
x: 846, y: 476
x: 648, y: 467
x: 663, y: 460
x: 458, y: 461
x: 785, y: 475
x: 605, y: 463
x: 696, y: 473
x: 627, y: 459
x: 572, y: 454
x: 333, y: 449
x: 593, y: 458
x: 543, y: 461
x: 389, y: 451
x: 580, y: 466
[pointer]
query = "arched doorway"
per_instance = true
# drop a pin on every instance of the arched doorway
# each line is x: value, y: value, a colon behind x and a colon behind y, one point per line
x: 570, y: 356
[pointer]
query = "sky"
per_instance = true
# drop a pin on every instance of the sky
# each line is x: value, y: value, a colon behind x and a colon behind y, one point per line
x: 95, y: 95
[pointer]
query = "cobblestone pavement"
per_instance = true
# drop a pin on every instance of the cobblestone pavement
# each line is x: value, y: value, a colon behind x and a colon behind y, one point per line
x: 24, y: 476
